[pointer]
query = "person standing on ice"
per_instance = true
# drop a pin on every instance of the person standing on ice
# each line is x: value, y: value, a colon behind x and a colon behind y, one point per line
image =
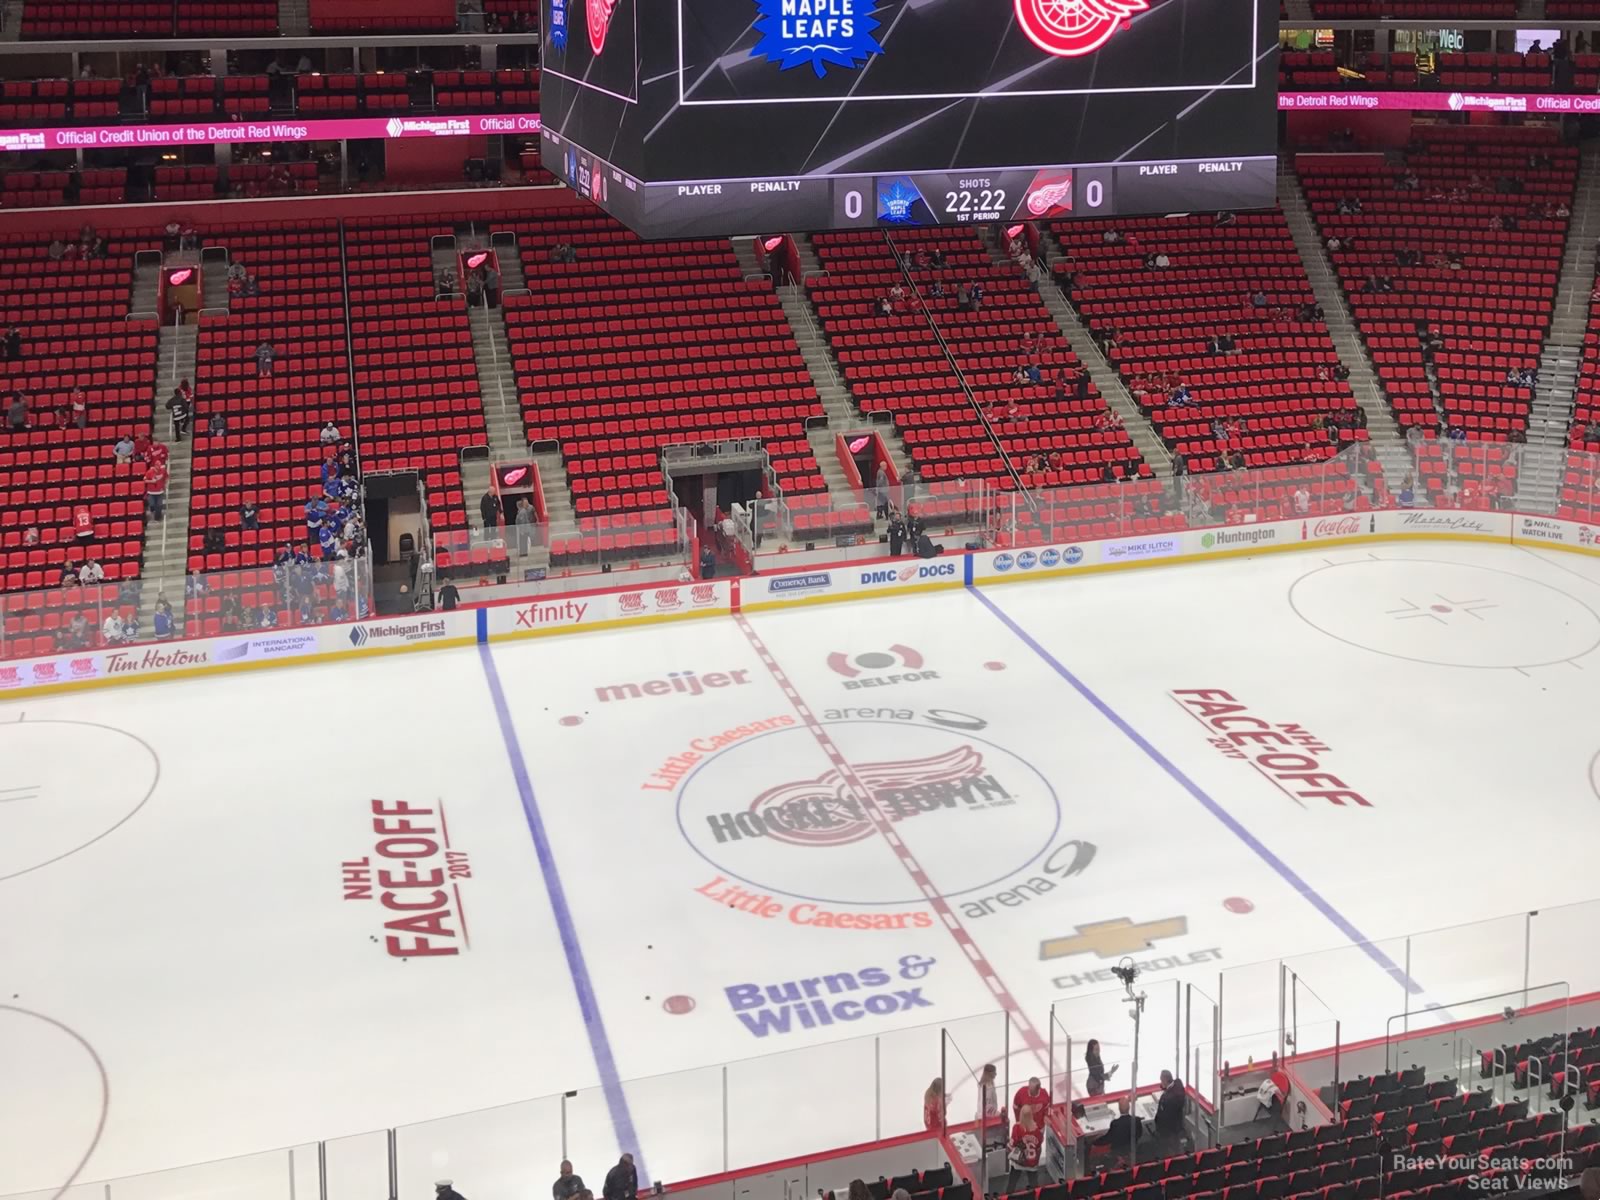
x: 445, y: 1190
x: 622, y: 1181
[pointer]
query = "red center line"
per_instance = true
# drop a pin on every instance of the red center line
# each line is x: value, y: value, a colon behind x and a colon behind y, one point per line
x: 969, y: 947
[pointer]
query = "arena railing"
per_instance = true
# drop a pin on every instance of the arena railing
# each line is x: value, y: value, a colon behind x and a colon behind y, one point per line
x: 263, y: 602
x: 1325, y: 1016
x: 1467, y: 475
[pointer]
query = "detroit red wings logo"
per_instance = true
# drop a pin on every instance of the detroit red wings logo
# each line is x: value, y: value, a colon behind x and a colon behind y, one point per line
x: 600, y: 12
x: 1069, y: 28
x: 827, y: 810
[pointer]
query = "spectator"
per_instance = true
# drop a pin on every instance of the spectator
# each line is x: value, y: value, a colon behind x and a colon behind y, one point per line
x: 1225, y: 218
x: 251, y: 287
x: 77, y: 636
x: 217, y: 425
x: 91, y: 572
x: 179, y: 409
x: 111, y: 632
x: 329, y: 434
x: 161, y: 620
x: 489, y: 508
x: 266, y: 617
x: 13, y: 343
x: 248, y: 515
x: 1258, y: 298
x: 79, y: 407
x: 265, y: 354
x: 1111, y: 237
x: 1170, y: 1109
x: 988, y: 1114
x: 1124, y: 1133
x: 155, y: 488
x: 445, y: 1190
x: 524, y: 523
x: 568, y: 1184
x: 173, y: 232
x: 17, y: 413
x: 57, y: 251
x: 449, y: 598
x: 30, y: 536
x: 880, y: 491
x: 1026, y: 1139
x: 1302, y: 501
x: 622, y: 1181
x: 1031, y: 1096
x: 933, y: 1104
x: 977, y: 297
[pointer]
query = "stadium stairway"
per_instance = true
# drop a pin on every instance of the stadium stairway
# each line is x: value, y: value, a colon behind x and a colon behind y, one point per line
x: 166, y: 542
x: 1105, y: 377
x: 1539, y: 481
x: 294, y: 18
x: 1382, y: 430
x: 144, y: 293
x: 838, y: 403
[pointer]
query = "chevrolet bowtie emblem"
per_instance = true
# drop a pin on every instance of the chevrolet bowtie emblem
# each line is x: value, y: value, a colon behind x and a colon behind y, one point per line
x: 1113, y: 939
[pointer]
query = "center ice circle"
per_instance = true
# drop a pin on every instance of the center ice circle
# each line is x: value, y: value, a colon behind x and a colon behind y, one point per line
x: 777, y: 813
x: 1450, y: 614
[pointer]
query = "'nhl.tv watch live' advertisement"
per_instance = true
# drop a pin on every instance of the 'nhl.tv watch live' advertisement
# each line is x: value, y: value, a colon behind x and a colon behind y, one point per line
x: 703, y: 116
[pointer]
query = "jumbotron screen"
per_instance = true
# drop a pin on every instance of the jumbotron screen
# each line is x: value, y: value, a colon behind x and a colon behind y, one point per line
x: 689, y: 118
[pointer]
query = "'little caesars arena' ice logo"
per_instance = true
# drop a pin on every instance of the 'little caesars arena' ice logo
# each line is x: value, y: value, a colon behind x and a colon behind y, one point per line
x: 810, y: 1003
x: 816, y: 33
x: 824, y: 812
x: 1069, y: 28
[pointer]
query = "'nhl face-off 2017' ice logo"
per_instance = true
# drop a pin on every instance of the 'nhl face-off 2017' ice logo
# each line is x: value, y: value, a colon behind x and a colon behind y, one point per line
x: 1069, y: 28
x: 816, y: 33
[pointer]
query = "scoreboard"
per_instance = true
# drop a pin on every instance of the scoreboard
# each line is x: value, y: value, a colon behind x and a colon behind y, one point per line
x: 692, y: 118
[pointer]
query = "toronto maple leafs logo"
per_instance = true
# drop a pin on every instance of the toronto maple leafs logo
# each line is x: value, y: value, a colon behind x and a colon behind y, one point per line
x: 558, y: 24
x: 1069, y: 28
x: 816, y: 33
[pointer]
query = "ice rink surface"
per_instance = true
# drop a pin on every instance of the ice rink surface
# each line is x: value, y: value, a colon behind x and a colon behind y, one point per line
x: 262, y: 911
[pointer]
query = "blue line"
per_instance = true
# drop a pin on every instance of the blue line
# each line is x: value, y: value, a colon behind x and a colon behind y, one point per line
x: 1287, y: 873
x: 483, y: 626
x: 588, y: 1005
x: 966, y: 568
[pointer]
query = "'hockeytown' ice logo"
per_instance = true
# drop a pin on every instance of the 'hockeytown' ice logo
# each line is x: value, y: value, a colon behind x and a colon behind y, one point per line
x: 816, y: 33
x: 1070, y: 28
x: 829, y: 810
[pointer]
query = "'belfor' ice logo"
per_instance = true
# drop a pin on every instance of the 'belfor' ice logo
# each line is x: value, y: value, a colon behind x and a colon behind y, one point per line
x: 1069, y: 28
x: 600, y: 13
x: 815, y: 33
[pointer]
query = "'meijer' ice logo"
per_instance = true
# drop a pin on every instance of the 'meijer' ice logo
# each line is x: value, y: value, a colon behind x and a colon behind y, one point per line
x: 816, y: 32
x: 1069, y: 28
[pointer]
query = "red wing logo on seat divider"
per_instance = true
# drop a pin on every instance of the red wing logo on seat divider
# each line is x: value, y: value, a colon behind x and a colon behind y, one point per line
x: 1066, y: 28
x: 600, y: 13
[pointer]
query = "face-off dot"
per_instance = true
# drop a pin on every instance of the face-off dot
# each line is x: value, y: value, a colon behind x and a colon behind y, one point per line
x: 678, y: 1005
x: 571, y: 721
x: 1238, y: 904
x: 994, y: 666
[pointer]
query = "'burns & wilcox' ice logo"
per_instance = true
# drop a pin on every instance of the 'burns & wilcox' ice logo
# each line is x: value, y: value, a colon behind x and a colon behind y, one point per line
x: 1070, y: 28
x: 830, y: 811
x: 816, y: 33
